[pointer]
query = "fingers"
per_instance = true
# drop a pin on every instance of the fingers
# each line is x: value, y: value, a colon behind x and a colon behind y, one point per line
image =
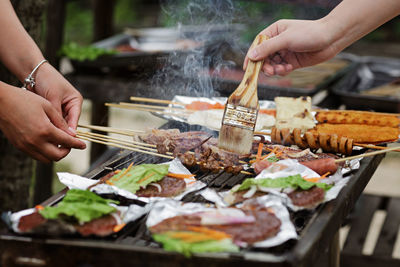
x: 267, y: 48
x: 73, y: 115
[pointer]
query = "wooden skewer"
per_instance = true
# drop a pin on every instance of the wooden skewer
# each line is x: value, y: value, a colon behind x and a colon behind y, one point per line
x: 152, y: 100
x: 112, y: 130
x: 117, y: 141
x: 368, y: 154
x: 156, y: 108
x: 123, y: 147
x: 144, y: 109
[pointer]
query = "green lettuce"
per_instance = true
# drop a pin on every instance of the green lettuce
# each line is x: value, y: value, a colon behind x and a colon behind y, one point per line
x: 294, y: 181
x: 133, y: 180
x: 80, y: 205
x: 172, y: 244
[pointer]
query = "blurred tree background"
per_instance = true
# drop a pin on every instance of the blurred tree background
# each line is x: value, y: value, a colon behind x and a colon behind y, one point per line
x: 255, y: 14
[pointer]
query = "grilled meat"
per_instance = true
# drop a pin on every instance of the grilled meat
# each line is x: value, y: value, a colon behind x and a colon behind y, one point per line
x: 100, y: 227
x: 169, y: 187
x: 307, y: 198
x: 36, y: 223
x: 265, y: 225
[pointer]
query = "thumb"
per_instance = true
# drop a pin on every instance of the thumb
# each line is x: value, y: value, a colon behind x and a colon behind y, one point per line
x: 266, y: 48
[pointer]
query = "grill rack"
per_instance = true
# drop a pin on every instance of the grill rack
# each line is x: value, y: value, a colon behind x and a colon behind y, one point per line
x: 134, y: 244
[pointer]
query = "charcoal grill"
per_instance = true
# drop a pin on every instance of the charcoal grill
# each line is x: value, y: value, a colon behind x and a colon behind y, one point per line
x: 318, y: 230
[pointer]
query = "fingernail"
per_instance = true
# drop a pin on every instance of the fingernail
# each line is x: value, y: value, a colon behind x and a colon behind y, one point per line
x: 71, y: 131
x: 253, y: 53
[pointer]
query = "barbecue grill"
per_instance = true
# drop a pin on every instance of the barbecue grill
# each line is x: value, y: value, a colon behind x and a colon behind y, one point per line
x: 318, y: 229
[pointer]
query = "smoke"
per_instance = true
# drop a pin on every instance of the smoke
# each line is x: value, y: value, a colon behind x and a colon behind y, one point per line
x: 210, y: 24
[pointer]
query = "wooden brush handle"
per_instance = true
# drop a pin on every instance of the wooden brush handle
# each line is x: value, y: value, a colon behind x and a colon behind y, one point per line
x: 246, y: 93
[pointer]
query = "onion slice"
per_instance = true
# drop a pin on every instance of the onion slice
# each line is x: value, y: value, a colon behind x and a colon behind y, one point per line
x: 250, y: 192
x: 156, y: 185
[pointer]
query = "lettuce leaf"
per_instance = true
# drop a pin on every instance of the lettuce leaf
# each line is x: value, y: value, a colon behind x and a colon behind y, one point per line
x: 80, y: 205
x: 294, y: 181
x: 139, y: 176
x: 172, y: 244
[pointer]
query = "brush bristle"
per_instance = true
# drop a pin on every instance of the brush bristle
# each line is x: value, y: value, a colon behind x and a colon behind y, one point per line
x: 235, y: 139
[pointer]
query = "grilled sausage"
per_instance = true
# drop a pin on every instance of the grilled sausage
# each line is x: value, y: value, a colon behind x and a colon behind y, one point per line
x: 321, y: 166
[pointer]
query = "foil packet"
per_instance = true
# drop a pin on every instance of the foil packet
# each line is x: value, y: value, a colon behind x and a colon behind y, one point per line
x: 212, y: 118
x: 73, y: 181
x: 171, y: 208
x: 292, y: 167
x: 124, y: 215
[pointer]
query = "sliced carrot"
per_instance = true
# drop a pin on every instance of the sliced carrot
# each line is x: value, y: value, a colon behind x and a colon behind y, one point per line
x: 39, y: 207
x: 271, y: 112
x: 118, y: 227
x: 206, y: 230
x: 190, y: 183
x: 109, y: 182
x: 125, y: 172
x: 181, y: 176
x: 145, y: 178
x: 117, y: 171
x: 259, y: 151
x: 316, y: 179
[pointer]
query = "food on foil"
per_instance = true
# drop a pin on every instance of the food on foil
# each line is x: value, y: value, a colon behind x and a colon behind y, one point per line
x: 213, y: 118
x: 357, y: 117
x: 149, y: 180
x: 360, y: 133
x: 321, y: 163
x: 294, y: 113
x: 215, y: 230
x: 302, y: 193
x: 328, y: 142
x: 80, y: 211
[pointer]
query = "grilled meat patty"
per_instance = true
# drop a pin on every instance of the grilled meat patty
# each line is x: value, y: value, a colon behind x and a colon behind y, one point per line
x: 266, y: 224
x: 307, y: 198
x: 169, y: 187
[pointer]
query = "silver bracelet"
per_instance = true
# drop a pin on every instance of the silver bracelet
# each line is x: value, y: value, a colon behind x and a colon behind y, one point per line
x: 30, y: 81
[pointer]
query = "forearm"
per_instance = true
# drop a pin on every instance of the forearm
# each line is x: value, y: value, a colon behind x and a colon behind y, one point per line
x: 18, y: 52
x: 353, y: 19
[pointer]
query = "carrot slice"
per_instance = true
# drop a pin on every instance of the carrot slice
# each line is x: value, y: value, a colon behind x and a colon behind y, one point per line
x: 145, y: 178
x: 118, y: 227
x: 39, y: 207
x: 259, y: 151
x: 181, y: 176
x: 125, y: 172
x: 316, y: 179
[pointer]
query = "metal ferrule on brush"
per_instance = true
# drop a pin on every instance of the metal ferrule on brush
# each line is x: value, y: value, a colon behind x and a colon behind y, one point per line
x: 241, y: 117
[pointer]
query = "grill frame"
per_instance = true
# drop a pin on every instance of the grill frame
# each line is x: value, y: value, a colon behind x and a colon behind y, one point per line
x: 133, y: 244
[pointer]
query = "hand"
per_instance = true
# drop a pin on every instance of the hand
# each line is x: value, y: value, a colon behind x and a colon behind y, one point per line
x: 293, y: 44
x: 51, y: 85
x: 33, y: 125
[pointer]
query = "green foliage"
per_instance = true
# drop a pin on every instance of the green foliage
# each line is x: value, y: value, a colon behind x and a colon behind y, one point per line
x: 77, y: 52
x: 78, y: 22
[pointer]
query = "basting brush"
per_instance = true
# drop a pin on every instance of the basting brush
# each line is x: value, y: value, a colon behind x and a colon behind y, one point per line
x: 241, y: 109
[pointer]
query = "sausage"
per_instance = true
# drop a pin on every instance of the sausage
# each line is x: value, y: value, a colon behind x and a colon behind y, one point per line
x: 261, y: 165
x: 321, y: 166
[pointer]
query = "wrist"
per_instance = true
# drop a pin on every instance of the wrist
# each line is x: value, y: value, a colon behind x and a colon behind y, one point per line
x: 29, y: 82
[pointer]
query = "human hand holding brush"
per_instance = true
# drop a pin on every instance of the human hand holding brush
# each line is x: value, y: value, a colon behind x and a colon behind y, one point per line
x: 240, y: 115
x: 295, y: 44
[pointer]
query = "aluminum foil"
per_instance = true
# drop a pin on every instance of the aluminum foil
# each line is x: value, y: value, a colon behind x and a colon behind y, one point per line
x: 127, y: 214
x: 73, y: 181
x: 170, y: 208
x: 213, y: 115
x: 293, y: 168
